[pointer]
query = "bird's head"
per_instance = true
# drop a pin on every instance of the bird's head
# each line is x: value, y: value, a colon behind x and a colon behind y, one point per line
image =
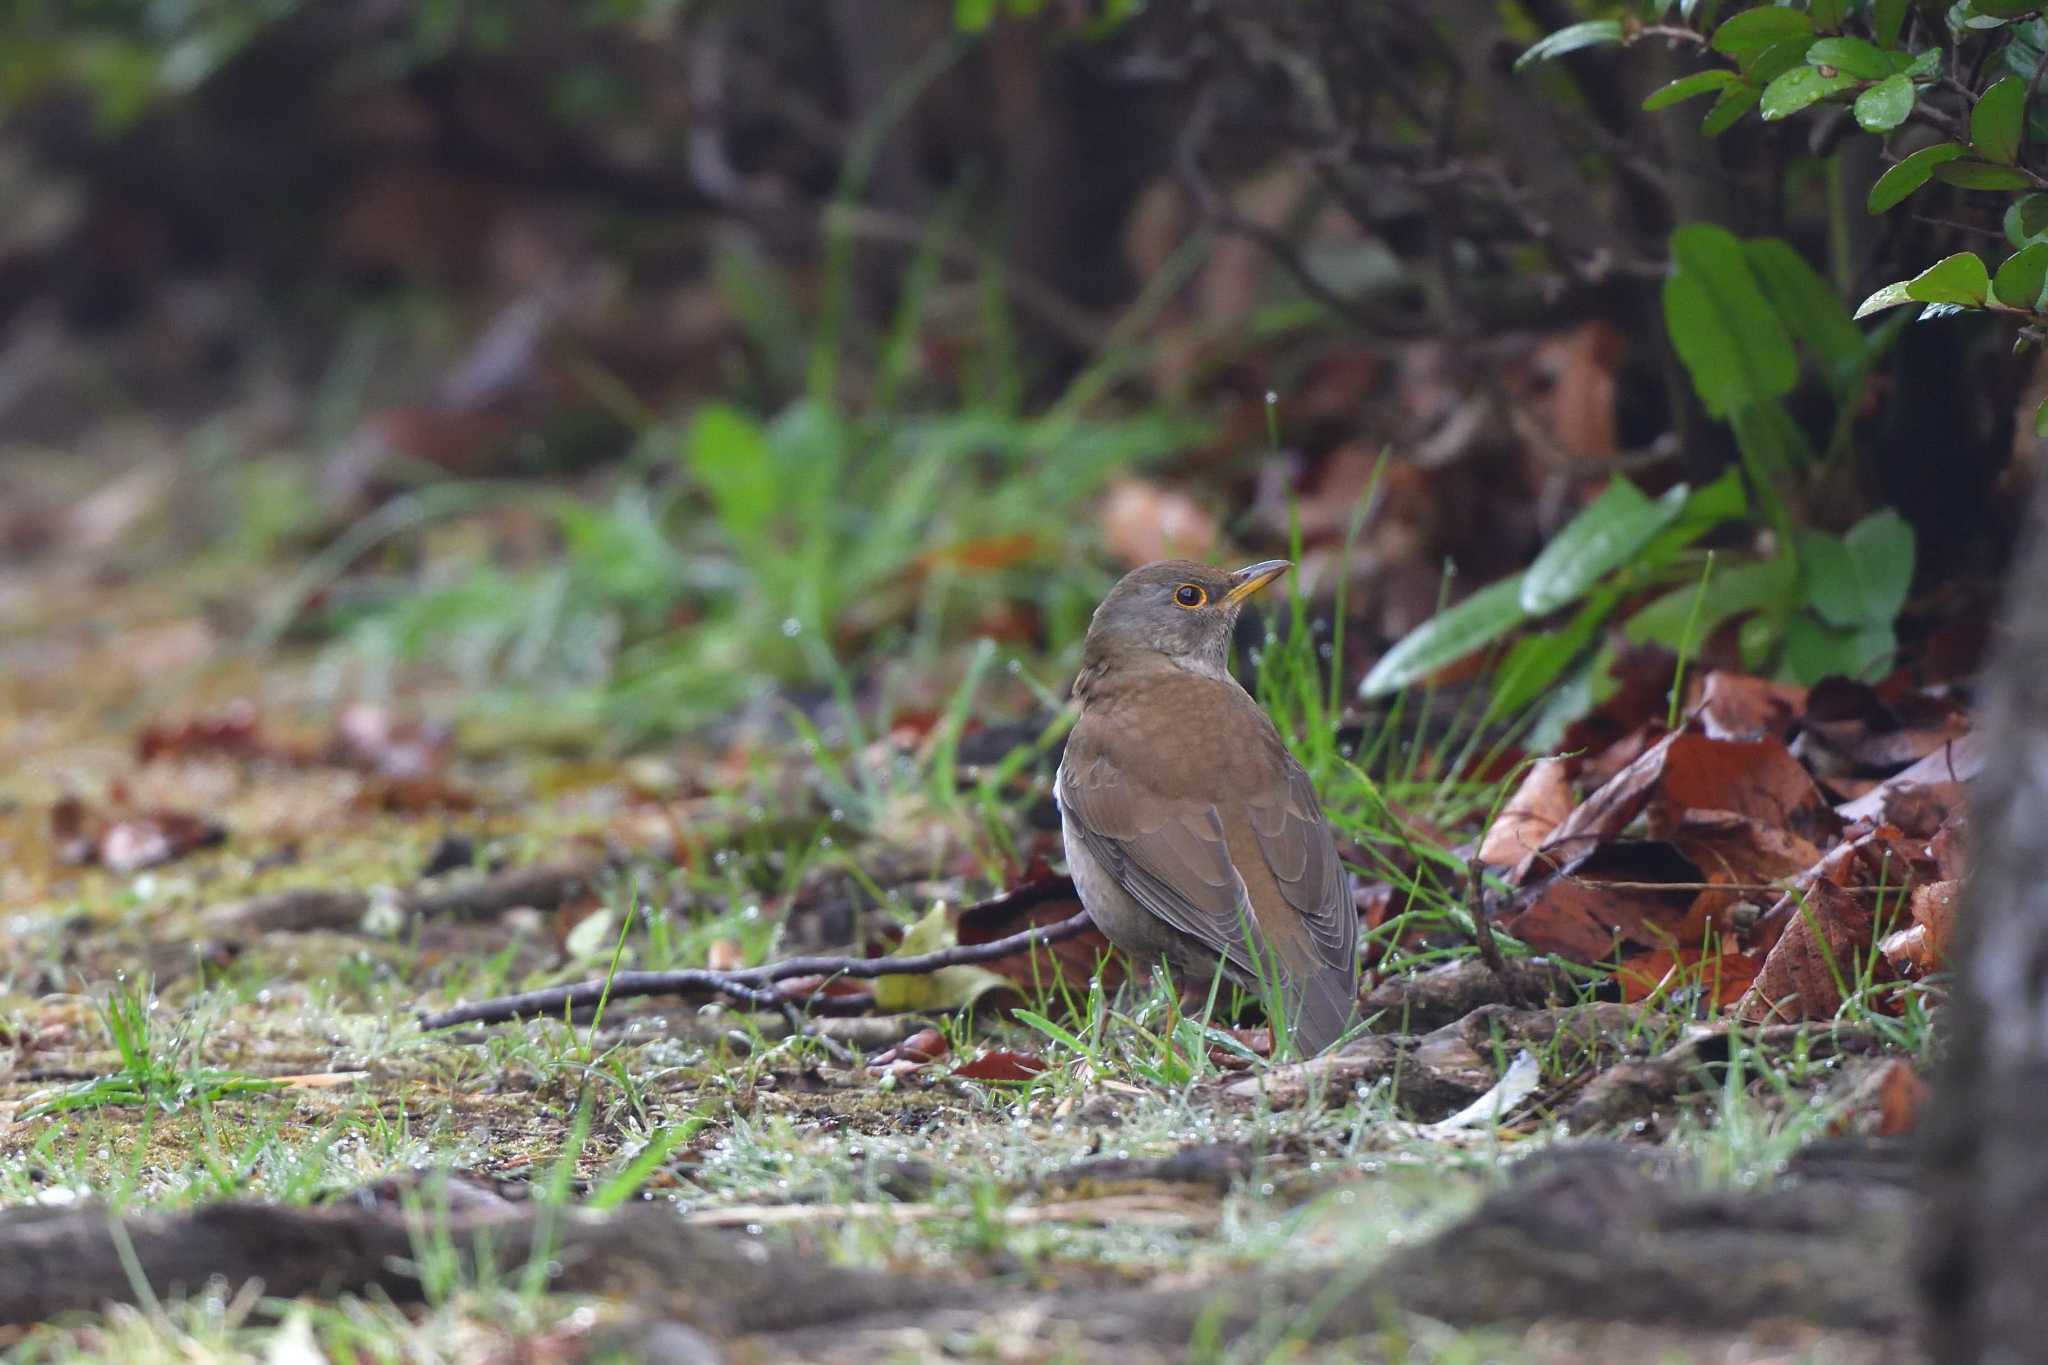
x: 1177, y: 609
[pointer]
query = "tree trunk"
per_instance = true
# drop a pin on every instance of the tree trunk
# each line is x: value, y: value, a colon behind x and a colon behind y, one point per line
x: 1986, y: 1261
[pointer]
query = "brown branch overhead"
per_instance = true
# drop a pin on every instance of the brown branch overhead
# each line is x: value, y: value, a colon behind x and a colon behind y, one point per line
x: 750, y: 985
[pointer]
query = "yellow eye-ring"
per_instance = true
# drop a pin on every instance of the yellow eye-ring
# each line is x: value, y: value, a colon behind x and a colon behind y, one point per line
x: 1191, y: 595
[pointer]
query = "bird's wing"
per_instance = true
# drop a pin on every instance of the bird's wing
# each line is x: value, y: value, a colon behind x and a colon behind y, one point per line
x: 1170, y: 854
x: 1302, y: 856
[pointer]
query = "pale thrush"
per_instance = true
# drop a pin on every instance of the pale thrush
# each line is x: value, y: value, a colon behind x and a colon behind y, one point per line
x: 1192, y: 832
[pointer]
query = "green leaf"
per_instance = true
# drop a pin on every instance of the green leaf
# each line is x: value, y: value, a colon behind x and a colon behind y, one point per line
x: 2005, y: 9
x: 972, y: 16
x: 1886, y: 105
x: 1705, y: 507
x: 2026, y: 219
x: 1888, y: 20
x: 1996, y: 120
x: 1534, y: 662
x: 1689, y: 87
x: 1851, y: 57
x: 1827, y: 14
x: 1958, y: 279
x: 1815, y: 650
x: 1964, y: 15
x: 1891, y: 296
x: 1448, y: 636
x: 1722, y: 326
x: 2019, y: 281
x: 1771, y: 442
x: 730, y: 455
x: 2041, y: 419
x: 1775, y: 60
x: 1910, y: 174
x: 1983, y: 175
x: 948, y: 988
x: 1799, y: 87
x: 1806, y: 303
x: 1859, y: 579
x: 1572, y: 37
x: 1596, y: 542
x: 1735, y: 101
x: 1748, y: 34
x: 1757, y: 586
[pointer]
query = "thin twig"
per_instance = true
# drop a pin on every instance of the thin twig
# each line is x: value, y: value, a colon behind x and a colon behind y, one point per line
x: 1482, y: 931
x: 750, y: 985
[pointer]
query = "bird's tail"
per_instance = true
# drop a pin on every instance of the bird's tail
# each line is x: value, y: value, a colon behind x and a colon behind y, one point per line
x: 1321, y: 1005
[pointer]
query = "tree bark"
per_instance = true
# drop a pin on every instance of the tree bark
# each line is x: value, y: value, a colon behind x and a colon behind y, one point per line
x: 1987, y: 1259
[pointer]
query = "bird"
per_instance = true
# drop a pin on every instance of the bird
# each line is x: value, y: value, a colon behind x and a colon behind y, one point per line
x: 1192, y: 833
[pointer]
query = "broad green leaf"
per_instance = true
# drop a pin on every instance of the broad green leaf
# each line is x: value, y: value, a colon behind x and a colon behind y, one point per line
x: 1448, y: 636
x: 1886, y: 105
x: 1983, y: 175
x: 1827, y: 14
x: 1964, y: 15
x: 2018, y: 282
x: 1571, y: 38
x: 1756, y: 586
x: 948, y: 988
x: 1722, y: 326
x: 1888, y: 20
x: 1799, y: 87
x: 1910, y: 174
x: 1534, y: 662
x: 2024, y: 47
x: 1705, y: 508
x: 2026, y: 219
x: 1749, y: 33
x: 1851, y: 57
x: 1775, y: 60
x: 1858, y: 579
x: 1959, y: 279
x: 1891, y: 296
x: 1816, y: 650
x: 2005, y: 9
x: 1689, y: 87
x: 1734, y: 102
x: 1771, y: 442
x: 1806, y: 303
x: 1595, y: 543
x: 1996, y: 120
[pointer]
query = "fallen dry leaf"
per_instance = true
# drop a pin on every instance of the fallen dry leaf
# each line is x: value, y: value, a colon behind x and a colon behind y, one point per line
x: 1738, y: 706
x: 1142, y: 522
x: 234, y: 730
x: 1608, y: 892
x: 1741, y: 853
x: 1901, y: 1095
x: 128, y: 842
x: 1539, y: 805
x: 1922, y: 946
x: 1812, y: 960
x: 1955, y: 762
x: 1001, y: 1064
x: 1861, y: 727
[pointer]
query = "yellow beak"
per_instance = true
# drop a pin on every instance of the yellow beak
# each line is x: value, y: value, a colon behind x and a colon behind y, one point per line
x: 1252, y: 577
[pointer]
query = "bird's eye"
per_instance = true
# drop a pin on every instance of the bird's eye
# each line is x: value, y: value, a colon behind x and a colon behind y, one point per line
x: 1191, y: 595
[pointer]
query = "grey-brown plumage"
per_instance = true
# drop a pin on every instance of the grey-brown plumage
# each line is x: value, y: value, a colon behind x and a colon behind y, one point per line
x: 1191, y: 831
